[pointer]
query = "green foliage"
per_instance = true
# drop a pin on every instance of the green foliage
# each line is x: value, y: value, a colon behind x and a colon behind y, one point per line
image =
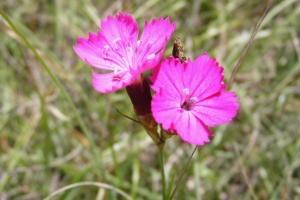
x: 44, y: 145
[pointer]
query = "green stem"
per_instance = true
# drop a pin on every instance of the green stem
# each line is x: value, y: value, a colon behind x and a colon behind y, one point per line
x: 162, y: 169
x: 58, y: 83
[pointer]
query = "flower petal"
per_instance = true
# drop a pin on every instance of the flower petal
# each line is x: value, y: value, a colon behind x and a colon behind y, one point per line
x: 191, y: 130
x: 164, y: 109
x: 154, y: 37
x: 105, y: 83
x: 218, y: 109
x: 150, y: 62
x: 204, y: 77
x: 124, y: 27
x: 169, y: 75
x: 93, y: 51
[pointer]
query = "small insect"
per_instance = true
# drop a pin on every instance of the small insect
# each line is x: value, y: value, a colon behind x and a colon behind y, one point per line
x: 178, y: 50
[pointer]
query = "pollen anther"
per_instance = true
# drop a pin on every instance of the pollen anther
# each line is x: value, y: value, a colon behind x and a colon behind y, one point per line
x: 151, y: 56
x: 186, y: 91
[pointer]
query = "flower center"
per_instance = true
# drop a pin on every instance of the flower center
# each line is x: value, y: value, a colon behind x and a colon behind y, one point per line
x: 121, y: 54
x: 124, y: 57
x: 189, y: 102
x: 186, y: 106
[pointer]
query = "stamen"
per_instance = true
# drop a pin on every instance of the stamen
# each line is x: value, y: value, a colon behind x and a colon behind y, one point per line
x: 115, y: 40
x: 151, y: 56
x: 138, y: 44
x: 115, y: 71
x: 130, y: 51
x: 188, y: 103
x: 127, y: 65
x: 193, y: 99
x: 186, y: 91
x: 105, y: 51
x: 130, y: 56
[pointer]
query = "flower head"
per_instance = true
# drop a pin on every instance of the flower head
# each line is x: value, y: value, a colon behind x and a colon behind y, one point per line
x: 191, y: 96
x: 116, y: 48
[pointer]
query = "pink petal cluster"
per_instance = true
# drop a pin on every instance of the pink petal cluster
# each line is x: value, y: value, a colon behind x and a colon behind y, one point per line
x: 116, y: 48
x: 191, y: 96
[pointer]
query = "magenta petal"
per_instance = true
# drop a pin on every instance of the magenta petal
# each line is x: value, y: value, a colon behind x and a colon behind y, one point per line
x: 151, y: 63
x: 191, y: 130
x: 164, y: 109
x: 155, y: 35
x: 123, y: 27
x: 92, y: 51
x: 218, y: 109
x: 169, y: 75
x: 204, y: 77
x: 105, y: 83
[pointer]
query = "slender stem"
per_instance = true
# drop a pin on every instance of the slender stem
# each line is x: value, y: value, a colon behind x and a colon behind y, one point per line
x: 187, y: 164
x: 162, y: 169
x: 264, y: 12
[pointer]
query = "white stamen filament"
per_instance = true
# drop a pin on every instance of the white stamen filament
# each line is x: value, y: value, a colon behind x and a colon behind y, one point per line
x: 118, y: 70
x: 130, y: 56
x: 105, y: 51
x: 151, y: 56
x: 115, y: 40
x: 186, y: 91
x: 138, y: 44
x: 127, y: 65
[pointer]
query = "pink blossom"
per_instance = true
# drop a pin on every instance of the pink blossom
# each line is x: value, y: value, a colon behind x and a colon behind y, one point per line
x: 191, y: 96
x: 116, y: 48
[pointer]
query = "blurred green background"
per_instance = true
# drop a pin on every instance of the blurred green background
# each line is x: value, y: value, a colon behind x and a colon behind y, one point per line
x: 43, y: 148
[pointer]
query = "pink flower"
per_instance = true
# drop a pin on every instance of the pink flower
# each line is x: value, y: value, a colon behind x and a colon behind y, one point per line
x: 117, y: 49
x: 191, y: 96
